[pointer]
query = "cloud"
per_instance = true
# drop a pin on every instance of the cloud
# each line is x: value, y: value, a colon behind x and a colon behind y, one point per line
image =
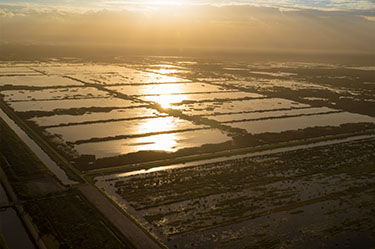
x: 370, y: 18
x: 146, y: 4
x: 6, y: 13
x: 204, y: 26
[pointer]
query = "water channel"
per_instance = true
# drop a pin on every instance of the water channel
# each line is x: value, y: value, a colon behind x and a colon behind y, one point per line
x: 48, y: 162
x: 102, y: 179
x: 11, y: 226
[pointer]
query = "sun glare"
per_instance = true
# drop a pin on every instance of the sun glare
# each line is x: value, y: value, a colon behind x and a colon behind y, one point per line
x: 164, y: 142
x: 167, y: 100
x: 165, y: 94
x: 156, y: 125
x: 165, y: 2
x: 156, y: 77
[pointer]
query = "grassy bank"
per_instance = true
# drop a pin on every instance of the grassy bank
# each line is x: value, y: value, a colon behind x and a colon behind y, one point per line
x: 19, y: 163
x: 67, y: 221
x: 55, y: 156
x: 63, y: 218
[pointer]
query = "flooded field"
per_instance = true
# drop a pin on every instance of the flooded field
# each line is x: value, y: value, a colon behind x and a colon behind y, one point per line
x: 55, y: 93
x: 102, y: 117
x: 51, y: 105
x: 110, y: 74
x: 128, y: 113
x: 169, y: 142
x: 87, y: 105
x: 122, y: 128
x: 296, y: 123
x: 153, y: 89
x: 126, y: 78
x: 234, y: 203
x: 270, y: 114
x: 168, y: 100
x: 11, y: 70
x: 37, y: 81
x: 238, y: 106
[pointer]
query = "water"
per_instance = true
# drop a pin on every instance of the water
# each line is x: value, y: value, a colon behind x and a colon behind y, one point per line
x: 38, y: 81
x: 301, y: 122
x: 162, y: 142
x: 13, y: 230
x: 11, y: 226
x: 129, y: 113
x: 121, y: 128
x: 51, y: 105
x: 48, y: 162
x: 155, y: 89
x: 238, y: 106
x: 178, y: 98
x: 54, y: 94
x: 269, y: 114
x: 102, y: 179
x: 112, y: 75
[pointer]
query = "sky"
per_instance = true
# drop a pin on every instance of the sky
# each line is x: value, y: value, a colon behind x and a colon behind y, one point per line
x: 132, y: 4
x: 337, y: 25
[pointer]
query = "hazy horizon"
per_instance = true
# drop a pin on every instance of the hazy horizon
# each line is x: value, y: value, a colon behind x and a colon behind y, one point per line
x: 258, y: 26
x: 187, y: 124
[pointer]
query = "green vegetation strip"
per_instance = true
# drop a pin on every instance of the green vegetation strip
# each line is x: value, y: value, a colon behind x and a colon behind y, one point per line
x: 3, y: 243
x: 55, y: 156
x: 301, y: 204
x: 18, y: 162
x: 227, y: 153
x: 86, y: 195
x: 63, y: 218
x: 69, y: 222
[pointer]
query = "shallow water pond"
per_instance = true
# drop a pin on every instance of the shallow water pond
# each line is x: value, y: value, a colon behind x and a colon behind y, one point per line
x: 56, y: 93
x: 238, y: 106
x: 122, y: 128
x: 269, y: 114
x: 295, y: 123
x: 50, y: 105
x: 113, y: 75
x: 168, y: 99
x: 130, y: 78
x: 162, y: 142
x: 15, y: 70
x: 37, y: 81
x: 84, y: 69
x: 265, y: 84
x: 155, y: 89
x: 128, y: 113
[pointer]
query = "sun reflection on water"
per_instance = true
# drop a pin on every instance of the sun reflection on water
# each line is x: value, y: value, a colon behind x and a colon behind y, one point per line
x: 165, y: 142
x: 157, y: 125
x: 162, y: 92
x: 156, y: 77
x: 162, y: 142
x: 167, y: 71
x: 167, y: 100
